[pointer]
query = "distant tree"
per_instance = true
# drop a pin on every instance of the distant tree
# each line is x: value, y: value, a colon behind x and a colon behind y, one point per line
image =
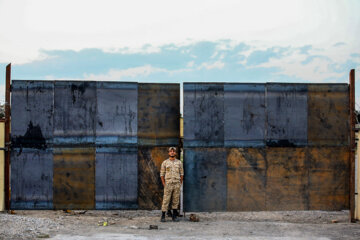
x: 2, y: 111
x: 357, y: 112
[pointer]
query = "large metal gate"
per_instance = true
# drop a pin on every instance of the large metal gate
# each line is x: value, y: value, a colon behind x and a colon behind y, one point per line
x: 90, y: 145
x: 248, y: 147
x: 274, y: 146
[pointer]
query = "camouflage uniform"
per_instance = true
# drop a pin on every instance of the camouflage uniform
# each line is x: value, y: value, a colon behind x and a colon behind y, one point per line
x: 172, y: 170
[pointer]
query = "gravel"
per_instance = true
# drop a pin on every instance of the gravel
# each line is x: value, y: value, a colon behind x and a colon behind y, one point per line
x: 296, y: 225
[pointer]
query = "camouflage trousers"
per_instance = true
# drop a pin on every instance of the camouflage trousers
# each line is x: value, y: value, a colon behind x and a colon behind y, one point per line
x: 171, y: 190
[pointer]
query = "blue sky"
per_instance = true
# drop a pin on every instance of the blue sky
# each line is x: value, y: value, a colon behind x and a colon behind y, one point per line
x: 179, y: 41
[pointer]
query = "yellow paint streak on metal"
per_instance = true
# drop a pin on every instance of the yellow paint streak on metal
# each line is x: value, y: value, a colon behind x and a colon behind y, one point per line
x: 181, y: 127
x: 74, y: 178
x: 2, y: 166
x: 246, y: 179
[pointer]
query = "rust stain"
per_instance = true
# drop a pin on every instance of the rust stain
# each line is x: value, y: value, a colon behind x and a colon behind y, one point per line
x: 74, y: 178
x: 158, y: 112
x: 287, y: 178
x: 328, y: 111
x: 150, y: 187
x: 328, y: 178
x: 246, y: 179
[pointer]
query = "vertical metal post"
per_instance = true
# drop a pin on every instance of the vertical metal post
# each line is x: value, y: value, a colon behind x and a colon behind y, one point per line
x: 352, y: 145
x: 7, y: 137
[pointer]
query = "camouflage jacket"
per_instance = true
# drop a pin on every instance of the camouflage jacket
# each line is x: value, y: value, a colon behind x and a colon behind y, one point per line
x: 172, y: 170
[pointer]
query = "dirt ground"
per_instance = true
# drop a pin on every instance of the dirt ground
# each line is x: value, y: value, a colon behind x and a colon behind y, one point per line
x: 292, y: 225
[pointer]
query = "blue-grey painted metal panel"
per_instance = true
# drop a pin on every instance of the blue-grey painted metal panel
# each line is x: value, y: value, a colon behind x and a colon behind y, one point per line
x: 74, y: 113
x: 158, y: 114
x: 205, y: 180
x: 244, y: 115
x: 286, y: 107
x: 116, y: 118
x: 32, y: 114
x: 203, y: 114
x: 31, y: 179
x: 116, y: 178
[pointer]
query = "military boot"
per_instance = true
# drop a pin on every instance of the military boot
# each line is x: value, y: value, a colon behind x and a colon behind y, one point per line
x: 174, y: 216
x: 162, y: 217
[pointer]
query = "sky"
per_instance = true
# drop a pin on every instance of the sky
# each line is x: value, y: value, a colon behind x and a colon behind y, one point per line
x: 173, y: 41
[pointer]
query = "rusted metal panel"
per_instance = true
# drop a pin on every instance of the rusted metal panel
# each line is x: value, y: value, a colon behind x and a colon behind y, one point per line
x: 246, y: 179
x: 352, y: 147
x: 287, y: 179
x: 116, y: 115
x: 158, y: 114
x: 205, y: 180
x: 31, y: 179
x: 74, y: 178
x: 286, y: 107
x: 244, y: 117
x: 328, y: 114
x: 328, y: 178
x: 150, y: 191
x: 203, y: 114
x: 74, y: 113
x: 32, y: 114
x: 116, y: 178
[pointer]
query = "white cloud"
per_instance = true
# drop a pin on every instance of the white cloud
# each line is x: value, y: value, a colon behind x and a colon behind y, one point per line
x: 114, y: 25
x: 146, y: 49
x: 190, y: 64
x: 211, y: 65
x: 324, y: 65
x: 52, y: 77
x: 115, y: 74
x: 131, y: 73
x: 315, y: 71
x: 146, y: 70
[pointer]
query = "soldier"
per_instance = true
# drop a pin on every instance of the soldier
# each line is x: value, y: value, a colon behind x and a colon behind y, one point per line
x: 172, y: 176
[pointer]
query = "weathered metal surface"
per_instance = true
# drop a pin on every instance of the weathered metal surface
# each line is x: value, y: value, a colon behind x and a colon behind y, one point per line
x: 328, y: 114
x: 7, y: 136
x: 150, y: 191
x: 116, y: 116
x: 286, y: 107
x: 352, y: 116
x: 205, y: 180
x: 203, y: 114
x: 216, y: 115
x: 246, y: 179
x: 244, y: 115
x: 158, y: 114
x: 31, y: 179
x: 328, y: 178
x: 74, y: 113
x: 32, y: 114
x: 116, y: 178
x: 287, y: 179
x: 74, y: 178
